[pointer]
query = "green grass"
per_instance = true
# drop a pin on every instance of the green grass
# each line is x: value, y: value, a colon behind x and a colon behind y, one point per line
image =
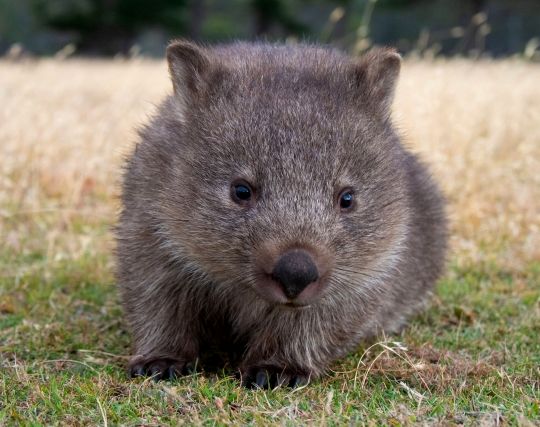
x: 472, y: 357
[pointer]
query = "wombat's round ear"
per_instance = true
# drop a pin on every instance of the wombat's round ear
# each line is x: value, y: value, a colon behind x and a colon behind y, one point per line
x: 375, y: 76
x: 189, y: 67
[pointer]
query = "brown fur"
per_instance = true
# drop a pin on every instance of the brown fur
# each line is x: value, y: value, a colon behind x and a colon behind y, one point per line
x: 298, y: 123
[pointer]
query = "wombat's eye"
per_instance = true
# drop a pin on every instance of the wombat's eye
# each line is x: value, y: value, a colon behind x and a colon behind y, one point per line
x: 241, y: 192
x: 346, y: 199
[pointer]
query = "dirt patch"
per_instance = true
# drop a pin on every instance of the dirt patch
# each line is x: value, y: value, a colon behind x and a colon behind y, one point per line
x: 429, y: 368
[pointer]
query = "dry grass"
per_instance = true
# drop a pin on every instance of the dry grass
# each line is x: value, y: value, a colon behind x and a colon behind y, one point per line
x: 478, y: 124
x: 64, y: 129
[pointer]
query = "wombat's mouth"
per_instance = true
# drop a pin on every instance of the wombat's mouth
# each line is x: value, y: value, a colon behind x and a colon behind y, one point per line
x: 296, y: 306
x: 272, y: 291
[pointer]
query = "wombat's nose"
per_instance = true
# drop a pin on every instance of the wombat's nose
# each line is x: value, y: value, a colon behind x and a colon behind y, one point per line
x: 294, y: 270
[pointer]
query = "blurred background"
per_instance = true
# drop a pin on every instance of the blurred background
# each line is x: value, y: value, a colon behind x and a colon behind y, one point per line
x: 469, y: 28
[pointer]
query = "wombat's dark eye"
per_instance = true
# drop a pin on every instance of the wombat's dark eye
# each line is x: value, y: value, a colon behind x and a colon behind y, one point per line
x: 241, y: 192
x: 346, y: 200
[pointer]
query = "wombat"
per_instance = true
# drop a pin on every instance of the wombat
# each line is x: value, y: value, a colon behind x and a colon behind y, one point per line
x: 271, y: 214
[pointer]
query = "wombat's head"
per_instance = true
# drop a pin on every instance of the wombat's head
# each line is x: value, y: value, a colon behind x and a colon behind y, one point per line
x: 285, y: 174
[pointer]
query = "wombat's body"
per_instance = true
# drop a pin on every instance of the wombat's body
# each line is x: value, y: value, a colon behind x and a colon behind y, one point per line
x: 271, y: 210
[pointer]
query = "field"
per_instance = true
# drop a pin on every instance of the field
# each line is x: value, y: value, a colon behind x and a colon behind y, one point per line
x: 473, y: 357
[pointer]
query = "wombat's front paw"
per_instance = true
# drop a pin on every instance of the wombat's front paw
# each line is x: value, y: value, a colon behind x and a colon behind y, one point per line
x: 159, y: 368
x: 271, y: 377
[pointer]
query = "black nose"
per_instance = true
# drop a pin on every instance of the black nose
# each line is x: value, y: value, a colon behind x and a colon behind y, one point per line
x: 295, y: 270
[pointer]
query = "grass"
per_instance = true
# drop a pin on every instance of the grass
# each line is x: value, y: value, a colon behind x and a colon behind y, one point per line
x: 472, y: 357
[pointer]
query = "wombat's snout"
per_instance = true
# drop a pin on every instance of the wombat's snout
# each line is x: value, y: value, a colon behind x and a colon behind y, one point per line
x: 294, y: 271
x: 292, y: 275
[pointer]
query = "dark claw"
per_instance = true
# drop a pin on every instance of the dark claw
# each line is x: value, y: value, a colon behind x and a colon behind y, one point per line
x: 298, y: 381
x: 157, y: 372
x: 172, y: 373
x: 271, y: 377
x: 189, y: 368
x: 261, y: 379
x: 283, y: 380
x: 179, y: 370
x: 136, y: 371
x: 160, y: 369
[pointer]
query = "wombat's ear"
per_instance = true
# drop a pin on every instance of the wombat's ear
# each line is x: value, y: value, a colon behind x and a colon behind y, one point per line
x: 375, y: 76
x: 190, y: 69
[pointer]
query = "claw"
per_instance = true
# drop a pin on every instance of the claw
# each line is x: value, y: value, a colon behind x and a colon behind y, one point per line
x: 189, y: 368
x: 160, y: 369
x: 136, y: 371
x: 282, y: 380
x: 261, y: 379
x: 298, y: 381
x: 172, y: 373
x: 271, y: 377
x: 156, y: 372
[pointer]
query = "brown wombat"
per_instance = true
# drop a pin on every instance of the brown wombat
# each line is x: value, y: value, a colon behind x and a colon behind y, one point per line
x: 271, y: 213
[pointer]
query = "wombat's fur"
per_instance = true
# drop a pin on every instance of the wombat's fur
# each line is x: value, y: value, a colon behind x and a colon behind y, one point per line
x: 271, y: 212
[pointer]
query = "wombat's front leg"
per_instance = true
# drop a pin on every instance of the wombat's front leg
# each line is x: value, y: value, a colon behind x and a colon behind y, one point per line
x: 272, y: 361
x: 166, y: 352
x: 165, y: 335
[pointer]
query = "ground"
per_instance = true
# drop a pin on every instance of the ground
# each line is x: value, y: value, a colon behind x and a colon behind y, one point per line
x: 472, y: 357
